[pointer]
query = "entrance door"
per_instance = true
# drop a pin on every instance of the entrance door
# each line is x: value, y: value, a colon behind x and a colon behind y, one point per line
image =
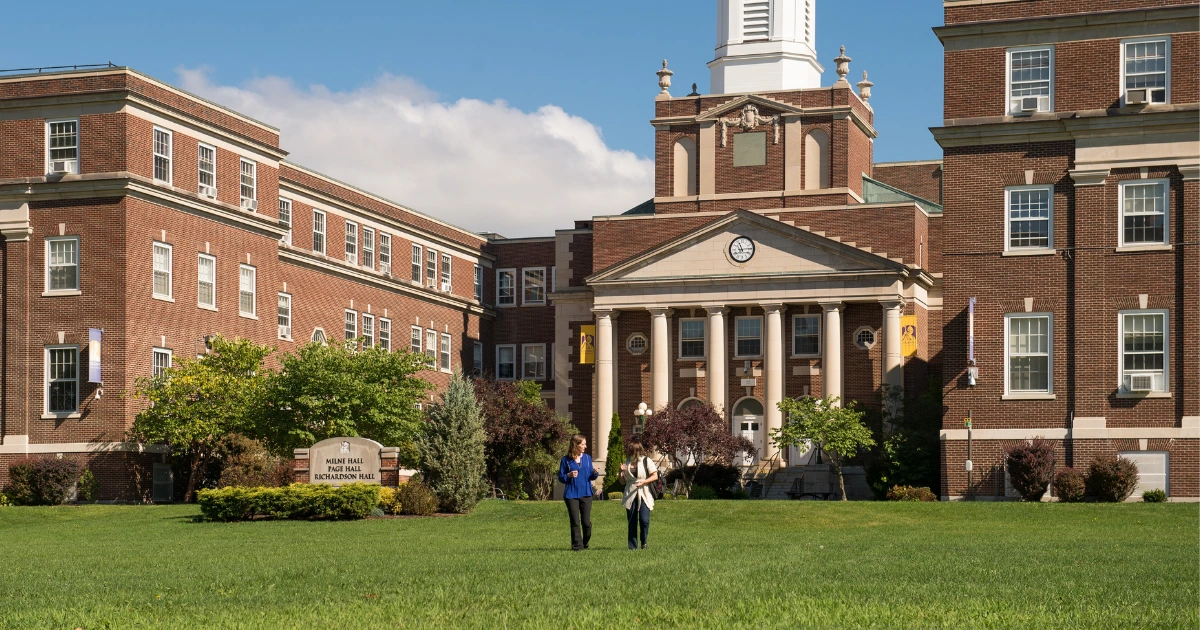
x: 751, y: 430
x: 747, y: 422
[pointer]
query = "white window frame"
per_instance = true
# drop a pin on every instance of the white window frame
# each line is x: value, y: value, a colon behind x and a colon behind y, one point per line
x: 553, y: 279
x: 319, y: 221
x: 513, y: 284
x: 1008, y: 355
x: 431, y: 347
x: 874, y: 337
x: 253, y: 185
x: 200, y: 259
x: 703, y: 339
x: 252, y: 314
x: 368, y: 248
x: 350, y: 325
x: 170, y: 271
x: 47, y: 382
x: 416, y: 340
x: 155, y: 353
x: 795, y: 350
x: 385, y: 334
x: 1009, y: 99
x: 1008, y: 193
x: 351, y: 242
x: 1166, y: 201
x: 477, y: 358
x: 479, y: 284
x: 737, y: 338
x: 165, y: 157
x: 285, y: 210
x: 537, y: 376
x: 319, y: 332
x: 645, y: 343
x: 515, y: 361
x: 385, y: 253
x: 446, y: 353
x: 1146, y: 40
x: 77, y: 147
x: 200, y: 172
x: 368, y: 330
x: 525, y: 286
x: 285, y: 330
x: 418, y: 263
x: 447, y: 273
x: 68, y: 290
x: 1166, y: 377
x: 432, y: 265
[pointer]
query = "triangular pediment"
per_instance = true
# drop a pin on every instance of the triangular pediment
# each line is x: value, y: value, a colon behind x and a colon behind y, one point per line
x: 738, y: 103
x: 779, y: 249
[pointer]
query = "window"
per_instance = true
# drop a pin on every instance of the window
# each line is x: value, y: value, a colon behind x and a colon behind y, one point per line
x: 636, y: 344
x: 1144, y: 351
x: 352, y: 242
x: 477, y: 358
x: 162, y: 155
x: 385, y: 253
x: 806, y: 335
x: 1146, y: 65
x: 506, y: 362
x: 368, y: 330
x: 534, y: 286
x: 206, y: 158
x: 62, y: 145
x: 318, y: 336
x: 417, y: 264
x: 478, y: 283
x: 160, y: 361
x: 417, y: 334
x: 318, y: 231
x: 351, y: 326
x: 1028, y: 353
x: 749, y: 336
x: 285, y: 316
x: 162, y: 270
x: 1144, y: 213
x: 249, y: 179
x: 691, y: 338
x: 368, y: 248
x: 248, y: 291
x: 385, y: 334
x: 750, y: 148
x: 62, y: 263
x: 285, y: 218
x: 431, y: 346
x: 446, y: 277
x: 533, y: 362
x: 1153, y: 470
x: 506, y: 287
x: 62, y: 380
x: 1030, y: 218
x: 206, y: 281
x: 864, y: 337
x: 1031, y: 80
x: 445, y: 354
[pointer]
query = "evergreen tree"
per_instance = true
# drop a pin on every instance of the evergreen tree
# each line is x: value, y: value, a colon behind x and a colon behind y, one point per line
x: 616, y: 455
x: 451, y: 448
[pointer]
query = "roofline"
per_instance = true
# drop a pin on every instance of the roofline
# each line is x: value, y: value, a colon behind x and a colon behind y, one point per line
x: 522, y: 239
x: 908, y: 163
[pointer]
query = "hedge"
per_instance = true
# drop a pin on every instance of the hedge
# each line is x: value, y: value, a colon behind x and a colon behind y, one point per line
x: 42, y: 480
x: 297, y: 501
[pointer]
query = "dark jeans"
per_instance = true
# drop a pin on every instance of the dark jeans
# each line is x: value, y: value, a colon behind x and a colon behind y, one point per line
x: 580, y: 511
x: 639, y: 513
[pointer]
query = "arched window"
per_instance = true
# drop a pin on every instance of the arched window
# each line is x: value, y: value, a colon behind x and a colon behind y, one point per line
x: 691, y: 402
x: 318, y: 336
x: 748, y: 407
x: 686, y: 182
x: 816, y: 160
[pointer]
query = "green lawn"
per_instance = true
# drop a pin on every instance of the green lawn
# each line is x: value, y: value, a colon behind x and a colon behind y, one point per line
x: 712, y: 564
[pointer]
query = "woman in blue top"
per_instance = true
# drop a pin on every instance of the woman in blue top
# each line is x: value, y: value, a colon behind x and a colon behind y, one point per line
x: 577, y: 474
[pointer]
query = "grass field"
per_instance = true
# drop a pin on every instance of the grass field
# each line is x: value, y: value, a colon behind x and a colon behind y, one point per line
x: 712, y: 564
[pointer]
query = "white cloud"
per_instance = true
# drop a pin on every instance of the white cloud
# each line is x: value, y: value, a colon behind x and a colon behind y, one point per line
x: 482, y: 166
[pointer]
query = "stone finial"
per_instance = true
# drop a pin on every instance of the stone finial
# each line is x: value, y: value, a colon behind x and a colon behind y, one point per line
x: 864, y: 88
x: 695, y: 91
x: 664, y: 80
x: 843, y: 66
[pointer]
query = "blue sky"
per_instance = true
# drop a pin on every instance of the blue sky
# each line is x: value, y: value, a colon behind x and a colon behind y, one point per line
x: 594, y: 61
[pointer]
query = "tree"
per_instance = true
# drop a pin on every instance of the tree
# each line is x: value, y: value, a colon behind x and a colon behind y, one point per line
x: 838, y: 430
x: 691, y: 436
x: 616, y: 456
x: 196, y: 402
x: 451, y: 448
x: 516, y: 423
x: 908, y: 437
x: 338, y: 390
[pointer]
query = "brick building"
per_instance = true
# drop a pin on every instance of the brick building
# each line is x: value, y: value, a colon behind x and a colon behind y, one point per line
x: 1072, y: 225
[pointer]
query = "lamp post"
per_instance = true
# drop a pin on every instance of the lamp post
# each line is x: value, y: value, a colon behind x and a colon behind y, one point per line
x: 641, y: 413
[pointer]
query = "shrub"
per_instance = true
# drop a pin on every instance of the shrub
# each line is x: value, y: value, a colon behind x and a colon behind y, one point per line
x: 389, y: 501
x: 1155, y: 496
x: 297, y: 501
x: 451, y: 445
x: 4, y: 502
x: 416, y: 499
x: 246, y: 463
x: 615, y: 496
x: 668, y: 495
x: 42, y: 480
x: 614, y: 459
x: 1111, y: 479
x: 718, y: 477
x: 1069, y: 486
x: 739, y: 495
x: 909, y: 493
x: 703, y: 493
x: 1029, y: 467
x: 88, y: 487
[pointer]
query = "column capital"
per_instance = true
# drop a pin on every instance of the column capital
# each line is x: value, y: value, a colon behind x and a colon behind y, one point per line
x: 772, y: 307
x: 891, y: 305
x: 658, y: 311
x: 1190, y: 172
x: 606, y: 312
x: 831, y: 306
x: 716, y: 310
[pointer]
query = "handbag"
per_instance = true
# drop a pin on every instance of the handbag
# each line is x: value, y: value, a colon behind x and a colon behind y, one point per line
x: 657, y: 486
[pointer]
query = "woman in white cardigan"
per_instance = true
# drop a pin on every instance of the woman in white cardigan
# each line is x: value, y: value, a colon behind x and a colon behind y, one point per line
x: 638, y: 472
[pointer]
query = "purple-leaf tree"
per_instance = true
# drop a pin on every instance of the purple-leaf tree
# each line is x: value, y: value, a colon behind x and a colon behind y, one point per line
x: 691, y: 436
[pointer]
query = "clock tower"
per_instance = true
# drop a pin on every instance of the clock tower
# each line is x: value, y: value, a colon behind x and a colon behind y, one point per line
x: 765, y: 46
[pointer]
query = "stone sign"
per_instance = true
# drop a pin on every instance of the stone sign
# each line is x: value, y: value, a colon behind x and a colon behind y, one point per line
x: 343, y: 460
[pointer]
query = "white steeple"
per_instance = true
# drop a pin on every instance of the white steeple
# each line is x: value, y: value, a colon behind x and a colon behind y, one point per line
x: 765, y: 46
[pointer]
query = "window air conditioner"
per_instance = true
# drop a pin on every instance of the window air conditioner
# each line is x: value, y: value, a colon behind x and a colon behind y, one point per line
x: 208, y: 191
x: 1136, y: 97
x: 445, y: 287
x: 60, y: 167
x: 1029, y: 104
x: 1140, y: 382
x: 250, y: 204
x: 385, y: 269
x: 431, y: 283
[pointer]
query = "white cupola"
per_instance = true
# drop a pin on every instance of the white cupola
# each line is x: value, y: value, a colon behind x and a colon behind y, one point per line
x: 765, y: 46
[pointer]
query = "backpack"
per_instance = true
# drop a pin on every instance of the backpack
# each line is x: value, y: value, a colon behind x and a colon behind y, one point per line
x: 657, y: 486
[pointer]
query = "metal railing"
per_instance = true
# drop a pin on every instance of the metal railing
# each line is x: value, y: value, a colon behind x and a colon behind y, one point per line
x: 42, y: 69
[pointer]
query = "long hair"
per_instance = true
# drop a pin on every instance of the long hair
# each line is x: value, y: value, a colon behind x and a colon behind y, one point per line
x: 576, y: 448
x: 636, y: 450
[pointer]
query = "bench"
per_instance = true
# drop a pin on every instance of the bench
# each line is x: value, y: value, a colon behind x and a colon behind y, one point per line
x: 797, y: 491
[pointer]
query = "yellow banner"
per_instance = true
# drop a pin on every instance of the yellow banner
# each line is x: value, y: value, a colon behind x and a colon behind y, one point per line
x: 587, y: 345
x: 908, y: 335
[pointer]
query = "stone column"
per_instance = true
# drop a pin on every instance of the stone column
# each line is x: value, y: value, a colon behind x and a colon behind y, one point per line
x: 893, y: 356
x: 773, y: 359
x: 604, y: 384
x: 831, y: 370
x: 660, y: 359
x: 718, y: 363
x: 17, y: 353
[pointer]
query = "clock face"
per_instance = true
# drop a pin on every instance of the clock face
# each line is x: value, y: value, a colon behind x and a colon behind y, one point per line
x: 741, y: 249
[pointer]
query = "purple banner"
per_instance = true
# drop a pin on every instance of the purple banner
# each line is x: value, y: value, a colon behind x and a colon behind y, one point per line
x: 94, y: 355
